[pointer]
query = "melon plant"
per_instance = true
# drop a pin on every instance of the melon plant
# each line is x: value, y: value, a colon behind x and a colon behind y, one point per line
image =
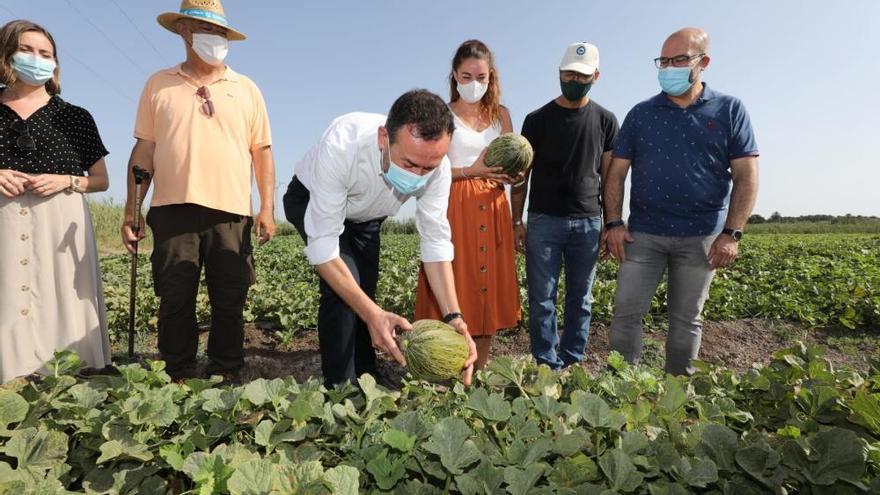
x: 434, y: 351
x: 510, y: 151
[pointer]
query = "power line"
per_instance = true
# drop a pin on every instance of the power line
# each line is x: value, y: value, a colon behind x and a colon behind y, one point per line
x: 108, y: 38
x: 84, y: 65
x: 130, y: 21
x: 99, y: 76
x: 11, y: 13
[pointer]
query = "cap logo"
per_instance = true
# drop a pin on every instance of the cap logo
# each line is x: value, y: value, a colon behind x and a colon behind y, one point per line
x: 581, y: 50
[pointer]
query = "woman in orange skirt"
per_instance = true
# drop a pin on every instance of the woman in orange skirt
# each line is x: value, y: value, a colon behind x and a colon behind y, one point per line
x: 479, y: 212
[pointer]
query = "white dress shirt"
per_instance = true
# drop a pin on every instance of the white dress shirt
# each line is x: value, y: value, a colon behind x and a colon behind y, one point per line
x: 343, y: 174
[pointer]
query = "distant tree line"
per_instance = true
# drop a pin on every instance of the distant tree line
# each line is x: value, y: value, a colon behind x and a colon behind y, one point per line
x: 777, y: 217
x: 803, y: 223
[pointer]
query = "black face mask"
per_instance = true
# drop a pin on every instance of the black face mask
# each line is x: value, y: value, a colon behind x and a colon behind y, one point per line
x: 573, y: 90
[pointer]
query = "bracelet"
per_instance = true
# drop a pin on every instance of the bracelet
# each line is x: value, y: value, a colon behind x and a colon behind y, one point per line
x: 451, y: 316
x: 615, y: 223
x: 517, y: 223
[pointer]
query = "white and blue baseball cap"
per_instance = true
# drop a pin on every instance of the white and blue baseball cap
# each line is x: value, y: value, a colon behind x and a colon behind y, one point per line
x: 580, y: 57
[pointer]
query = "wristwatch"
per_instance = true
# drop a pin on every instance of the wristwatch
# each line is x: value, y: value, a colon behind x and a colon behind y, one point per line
x: 735, y: 233
x: 451, y: 316
x: 615, y: 223
x: 75, y: 184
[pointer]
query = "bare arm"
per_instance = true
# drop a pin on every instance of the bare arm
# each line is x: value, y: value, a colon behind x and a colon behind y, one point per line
x: 141, y: 156
x: 518, y: 197
x: 97, y: 179
x: 264, y: 170
x: 744, y: 172
x: 612, y: 199
x: 604, y: 165
x: 442, y: 283
x: 613, y: 183
x: 517, y: 204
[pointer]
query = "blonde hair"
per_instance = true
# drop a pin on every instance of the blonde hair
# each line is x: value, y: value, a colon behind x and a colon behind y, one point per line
x: 10, y: 37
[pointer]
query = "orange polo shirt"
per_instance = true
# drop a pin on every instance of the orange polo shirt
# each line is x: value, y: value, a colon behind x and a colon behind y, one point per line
x: 201, y: 159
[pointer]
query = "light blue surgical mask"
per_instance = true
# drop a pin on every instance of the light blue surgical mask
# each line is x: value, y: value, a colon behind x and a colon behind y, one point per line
x: 32, y: 69
x: 675, y: 81
x: 403, y: 181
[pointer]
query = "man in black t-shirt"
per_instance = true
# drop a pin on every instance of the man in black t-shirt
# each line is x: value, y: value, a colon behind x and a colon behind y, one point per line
x: 572, y: 137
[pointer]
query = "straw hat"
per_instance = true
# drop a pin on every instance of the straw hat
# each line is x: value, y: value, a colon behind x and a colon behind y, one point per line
x: 201, y: 10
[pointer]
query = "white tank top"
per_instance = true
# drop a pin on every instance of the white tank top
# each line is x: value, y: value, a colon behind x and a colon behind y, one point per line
x: 467, y: 144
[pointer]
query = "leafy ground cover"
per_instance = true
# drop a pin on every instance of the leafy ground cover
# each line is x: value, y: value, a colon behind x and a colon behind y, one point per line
x: 814, y: 280
x: 796, y: 425
x: 795, y: 422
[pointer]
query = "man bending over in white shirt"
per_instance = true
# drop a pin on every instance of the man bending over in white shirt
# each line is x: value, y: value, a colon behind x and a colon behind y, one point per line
x: 361, y: 171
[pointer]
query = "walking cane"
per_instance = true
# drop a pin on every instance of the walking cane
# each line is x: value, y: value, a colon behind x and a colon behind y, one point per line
x: 139, y: 176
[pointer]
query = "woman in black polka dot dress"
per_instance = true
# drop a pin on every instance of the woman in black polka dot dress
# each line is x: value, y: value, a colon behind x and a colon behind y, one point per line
x: 50, y: 154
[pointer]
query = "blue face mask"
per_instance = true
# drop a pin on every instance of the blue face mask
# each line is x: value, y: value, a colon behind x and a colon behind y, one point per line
x: 403, y: 181
x: 32, y: 69
x: 675, y: 81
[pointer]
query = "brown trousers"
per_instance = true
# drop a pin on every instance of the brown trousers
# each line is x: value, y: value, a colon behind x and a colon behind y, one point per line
x: 185, y: 238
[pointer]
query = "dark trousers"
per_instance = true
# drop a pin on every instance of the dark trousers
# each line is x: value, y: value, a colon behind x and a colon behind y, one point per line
x: 185, y: 238
x: 346, y: 349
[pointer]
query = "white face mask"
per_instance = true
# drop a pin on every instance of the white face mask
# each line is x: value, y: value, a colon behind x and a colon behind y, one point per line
x: 473, y: 91
x: 211, y: 48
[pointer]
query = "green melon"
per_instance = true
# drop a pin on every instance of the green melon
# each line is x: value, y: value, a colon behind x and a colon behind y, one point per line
x: 512, y: 152
x: 434, y: 351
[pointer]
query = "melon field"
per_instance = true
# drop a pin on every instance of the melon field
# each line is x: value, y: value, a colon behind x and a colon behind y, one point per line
x: 800, y: 420
x: 815, y: 280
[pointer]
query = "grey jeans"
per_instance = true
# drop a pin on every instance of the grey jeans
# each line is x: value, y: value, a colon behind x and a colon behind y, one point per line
x: 647, y: 258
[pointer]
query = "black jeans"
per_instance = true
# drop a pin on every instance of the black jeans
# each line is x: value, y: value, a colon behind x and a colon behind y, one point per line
x: 346, y: 348
x: 187, y: 237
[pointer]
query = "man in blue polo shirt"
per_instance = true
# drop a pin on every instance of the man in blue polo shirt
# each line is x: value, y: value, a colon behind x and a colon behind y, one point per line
x: 685, y: 146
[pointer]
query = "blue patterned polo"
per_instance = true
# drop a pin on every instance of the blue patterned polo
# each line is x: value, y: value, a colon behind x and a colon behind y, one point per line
x: 680, y: 184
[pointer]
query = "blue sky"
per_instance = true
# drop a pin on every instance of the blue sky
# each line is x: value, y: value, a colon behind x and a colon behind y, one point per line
x: 807, y: 71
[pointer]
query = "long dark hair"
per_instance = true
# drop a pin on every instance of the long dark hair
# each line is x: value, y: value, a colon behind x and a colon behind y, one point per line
x: 10, y: 36
x: 490, y: 104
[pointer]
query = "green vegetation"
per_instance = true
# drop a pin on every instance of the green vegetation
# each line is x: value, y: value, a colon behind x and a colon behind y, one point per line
x: 107, y: 218
x: 815, y: 280
x: 796, y: 425
x: 813, y: 224
x: 825, y: 227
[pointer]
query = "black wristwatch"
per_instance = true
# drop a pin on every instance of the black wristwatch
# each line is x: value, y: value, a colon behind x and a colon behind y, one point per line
x: 451, y: 316
x: 735, y: 233
x: 616, y: 223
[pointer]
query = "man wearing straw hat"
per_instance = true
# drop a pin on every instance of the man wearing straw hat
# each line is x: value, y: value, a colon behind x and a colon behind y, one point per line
x: 200, y: 126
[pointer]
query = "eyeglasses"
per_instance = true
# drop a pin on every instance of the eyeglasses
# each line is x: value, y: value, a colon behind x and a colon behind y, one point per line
x: 676, y: 61
x: 207, y: 106
x: 569, y: 75
x: 25, y: 141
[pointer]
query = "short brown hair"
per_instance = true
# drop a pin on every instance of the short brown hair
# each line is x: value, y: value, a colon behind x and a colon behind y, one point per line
x: 427, y: 115
x: 10, y: 36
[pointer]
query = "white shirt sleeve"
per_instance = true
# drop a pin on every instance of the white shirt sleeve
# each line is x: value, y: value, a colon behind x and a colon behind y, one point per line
x: 431, y: 222
x: 328, y: 193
